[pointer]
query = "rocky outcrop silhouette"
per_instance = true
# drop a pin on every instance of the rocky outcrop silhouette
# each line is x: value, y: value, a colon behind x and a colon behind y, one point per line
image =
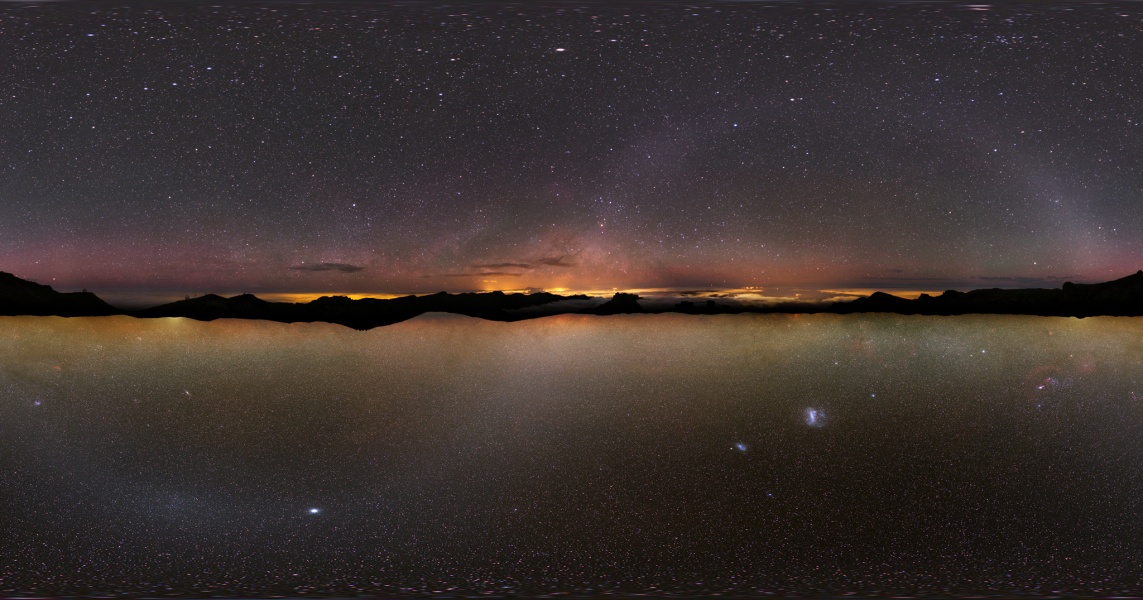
x: 618, y: 304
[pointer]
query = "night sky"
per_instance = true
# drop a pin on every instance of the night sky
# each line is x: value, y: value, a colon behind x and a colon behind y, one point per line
x: 389, y: 149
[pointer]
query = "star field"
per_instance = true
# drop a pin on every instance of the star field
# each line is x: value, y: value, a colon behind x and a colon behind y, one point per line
x: 408, y: 148
x: 629, y: 454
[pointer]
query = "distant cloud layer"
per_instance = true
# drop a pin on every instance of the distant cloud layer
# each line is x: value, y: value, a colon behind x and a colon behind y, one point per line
x: 556, y: 261
x: 508, y: 269
x: 548, y: 261
x: 320, y: 267
x: 1029, y: 281
x: 507, y: 265
x: 480, y: 274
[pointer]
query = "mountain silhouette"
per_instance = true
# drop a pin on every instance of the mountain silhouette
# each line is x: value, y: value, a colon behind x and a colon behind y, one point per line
x: 1121, y: 297
x: 22, y: 297
x: 365, y: 313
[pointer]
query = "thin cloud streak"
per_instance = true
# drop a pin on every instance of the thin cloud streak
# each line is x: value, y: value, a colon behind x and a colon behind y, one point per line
x: 323, y: 267
x: 556, y: 261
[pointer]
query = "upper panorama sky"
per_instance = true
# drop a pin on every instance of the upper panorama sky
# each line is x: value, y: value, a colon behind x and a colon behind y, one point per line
x: 407, y: 148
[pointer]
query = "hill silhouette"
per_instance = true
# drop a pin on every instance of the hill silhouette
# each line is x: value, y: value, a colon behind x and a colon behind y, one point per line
x: 22, y: 297
x: 365, y: 313
x: 1121, y: 297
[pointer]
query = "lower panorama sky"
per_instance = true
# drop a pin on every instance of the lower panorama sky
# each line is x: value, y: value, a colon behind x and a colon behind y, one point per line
x: 279, y: 147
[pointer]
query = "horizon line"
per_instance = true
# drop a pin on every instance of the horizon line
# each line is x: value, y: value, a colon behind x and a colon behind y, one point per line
x: 905, y: 287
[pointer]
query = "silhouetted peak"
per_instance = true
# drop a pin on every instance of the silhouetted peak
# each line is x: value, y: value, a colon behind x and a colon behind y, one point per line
x: 338, y: 299
x: 22, y: 297
x: 246, y: 299
x: 1135, y: 280
x: 1135, y: 277
x: 10, y: 280
x: 621, y: 302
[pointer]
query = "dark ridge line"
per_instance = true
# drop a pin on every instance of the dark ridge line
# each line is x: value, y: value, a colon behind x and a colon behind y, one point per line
x: 1121, y: 297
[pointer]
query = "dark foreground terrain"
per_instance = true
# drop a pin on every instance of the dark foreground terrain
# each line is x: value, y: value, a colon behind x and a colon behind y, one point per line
x: 578, y: 457
x: 1121, y: 297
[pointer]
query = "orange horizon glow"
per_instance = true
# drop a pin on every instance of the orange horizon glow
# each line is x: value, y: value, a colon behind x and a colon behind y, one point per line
x: 303, y: 297
x: 767, y: 294
x: 907, y: 294
x: 747, y: 294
